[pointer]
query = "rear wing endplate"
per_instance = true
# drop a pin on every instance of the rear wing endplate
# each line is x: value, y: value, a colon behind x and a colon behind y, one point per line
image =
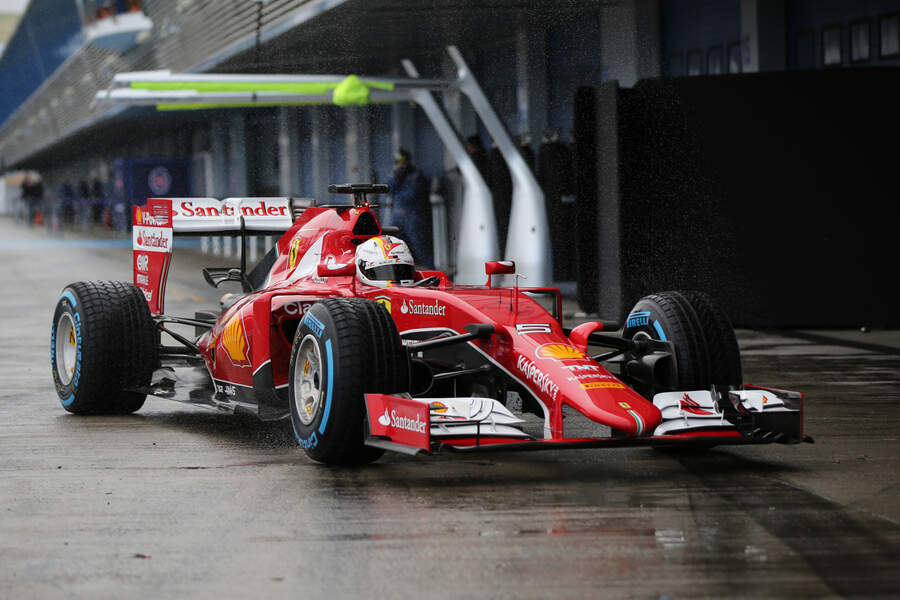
x: 155, y: 225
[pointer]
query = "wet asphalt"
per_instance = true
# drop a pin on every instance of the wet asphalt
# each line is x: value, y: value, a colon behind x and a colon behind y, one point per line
x: 177, y: 501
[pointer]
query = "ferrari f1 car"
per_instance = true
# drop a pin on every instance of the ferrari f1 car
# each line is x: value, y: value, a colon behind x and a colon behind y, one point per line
x: 405, y: 362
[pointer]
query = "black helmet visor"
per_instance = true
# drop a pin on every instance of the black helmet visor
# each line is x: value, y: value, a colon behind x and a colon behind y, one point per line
x: 389, y: 272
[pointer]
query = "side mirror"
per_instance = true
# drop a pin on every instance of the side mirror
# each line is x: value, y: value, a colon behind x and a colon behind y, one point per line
x: 499, y: 267
x: 336, y: 269
x: 217, y: 275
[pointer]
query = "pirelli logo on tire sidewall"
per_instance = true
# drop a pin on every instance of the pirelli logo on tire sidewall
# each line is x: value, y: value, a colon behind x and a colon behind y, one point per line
x: 310, y: 320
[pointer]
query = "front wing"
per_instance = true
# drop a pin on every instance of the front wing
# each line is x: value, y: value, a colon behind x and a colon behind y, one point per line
x: 754, y: 415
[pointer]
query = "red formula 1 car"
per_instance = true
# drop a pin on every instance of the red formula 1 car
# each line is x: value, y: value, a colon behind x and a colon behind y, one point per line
x: 412, y: 363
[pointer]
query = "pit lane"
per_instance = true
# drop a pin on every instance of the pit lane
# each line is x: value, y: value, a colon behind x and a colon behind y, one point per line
x: 177, y: 501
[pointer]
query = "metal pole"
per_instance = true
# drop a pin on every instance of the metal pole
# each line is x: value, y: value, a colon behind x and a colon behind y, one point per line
x: 478, y: 228
x: 528, y: 241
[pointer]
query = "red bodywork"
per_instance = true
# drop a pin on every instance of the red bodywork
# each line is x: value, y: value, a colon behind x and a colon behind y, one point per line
x: 540, y: 357
x: 252, y: 336
x: 247, y: 351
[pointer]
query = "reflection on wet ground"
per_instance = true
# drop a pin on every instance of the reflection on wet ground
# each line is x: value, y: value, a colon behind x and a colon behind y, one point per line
x: 226, y: 506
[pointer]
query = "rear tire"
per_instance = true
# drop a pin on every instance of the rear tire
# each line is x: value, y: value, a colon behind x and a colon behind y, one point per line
x: 705, y: 348
x: 343, y: 348
x: 102, y: 347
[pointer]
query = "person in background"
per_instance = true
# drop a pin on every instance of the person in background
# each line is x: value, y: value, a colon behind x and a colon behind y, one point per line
x: 555, y: 174
x: 25, y: 199
x: 478, y: 154
x: 66, y: 195
x: 500, y: 182
x: 95, y: 192
x: 32, y: 196
x: 411, y: 207
x: 84, y: 203
x: 525, y: 149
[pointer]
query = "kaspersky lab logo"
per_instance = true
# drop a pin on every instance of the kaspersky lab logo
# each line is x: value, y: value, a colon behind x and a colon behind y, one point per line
x: 436, y: 309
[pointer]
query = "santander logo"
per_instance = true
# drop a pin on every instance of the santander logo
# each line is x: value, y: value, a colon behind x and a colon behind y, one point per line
x: 436, y: 309
x: 152, y: 240
x: 416, y: 425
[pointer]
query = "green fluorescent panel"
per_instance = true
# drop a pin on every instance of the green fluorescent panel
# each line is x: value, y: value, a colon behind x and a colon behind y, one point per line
x: 209, y: 105
x: 237, y: 86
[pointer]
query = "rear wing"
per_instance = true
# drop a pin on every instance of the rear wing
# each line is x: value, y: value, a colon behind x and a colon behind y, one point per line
x: 155, y: 225
x: 231, y: 216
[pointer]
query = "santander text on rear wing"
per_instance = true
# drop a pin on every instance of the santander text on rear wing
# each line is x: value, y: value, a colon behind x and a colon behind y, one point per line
x: 231, y: 216
x: 156, y: 224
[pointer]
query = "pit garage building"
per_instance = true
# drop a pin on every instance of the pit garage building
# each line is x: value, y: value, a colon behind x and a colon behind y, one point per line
x: 742, y: 147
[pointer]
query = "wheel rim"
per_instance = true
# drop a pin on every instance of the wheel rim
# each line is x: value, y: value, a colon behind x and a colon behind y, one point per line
x: 66, y: 348
x: 642, y: 335
x: 308, y: 390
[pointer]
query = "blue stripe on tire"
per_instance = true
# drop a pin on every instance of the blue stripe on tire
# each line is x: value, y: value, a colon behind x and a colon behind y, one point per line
x: 70, y: 296
x: 327, y: 410
x: 659, y: 330
x: 69, y: 400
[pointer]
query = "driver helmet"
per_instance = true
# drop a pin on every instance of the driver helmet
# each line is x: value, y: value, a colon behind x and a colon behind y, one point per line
x: 385, y: 260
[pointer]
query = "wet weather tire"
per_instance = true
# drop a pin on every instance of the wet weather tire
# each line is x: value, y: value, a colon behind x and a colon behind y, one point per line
x: 343, y: 349
x: 102, y: 347
x: 705, y: 348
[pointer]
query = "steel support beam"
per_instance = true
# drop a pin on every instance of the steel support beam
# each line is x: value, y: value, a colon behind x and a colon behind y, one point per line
x: 528, y: 241
x: 288, y: 152
x: 321, y: 153
x: 478, y: 234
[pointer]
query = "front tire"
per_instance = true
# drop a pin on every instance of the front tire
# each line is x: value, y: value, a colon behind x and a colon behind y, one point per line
x: 705, y: 349
x: 102, y: 347
x: 343, y: 348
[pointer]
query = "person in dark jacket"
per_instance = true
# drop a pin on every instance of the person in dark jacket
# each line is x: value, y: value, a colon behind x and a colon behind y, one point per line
x: 33, y: 196
x: 555, y: 175
x: 479, y: 155
x: 500, y: 183
x: 411, y: 206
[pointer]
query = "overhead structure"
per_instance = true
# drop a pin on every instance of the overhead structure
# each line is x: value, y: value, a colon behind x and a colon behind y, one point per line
x: 168, y: 91
x: 530, y: 247
x: 117, y: 26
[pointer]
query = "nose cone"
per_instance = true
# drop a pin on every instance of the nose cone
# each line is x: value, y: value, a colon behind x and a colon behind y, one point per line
x: 618, y: 406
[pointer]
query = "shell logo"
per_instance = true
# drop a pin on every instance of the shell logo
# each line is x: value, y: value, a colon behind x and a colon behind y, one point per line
x: 235, y: 342
x: 292, y: 256
x: 438, y: 407
x: 560, y: 352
